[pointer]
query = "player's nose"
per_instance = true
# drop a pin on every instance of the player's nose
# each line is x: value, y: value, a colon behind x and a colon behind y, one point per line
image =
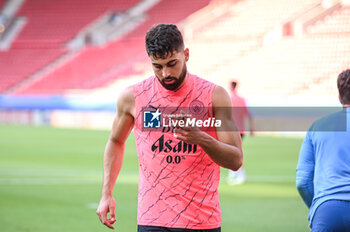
x: 165, y: 72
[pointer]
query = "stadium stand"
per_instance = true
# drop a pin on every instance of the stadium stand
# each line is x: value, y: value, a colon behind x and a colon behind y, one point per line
x: 56, y: 22
x: 2, y: 3
x: 91, y: 68
x: 50, y: 24
x: 88, y: 64
x: 290, y: 66
x: 337, y: 22
x: 285, y: 66
x: 234, y: 33
x: 252, y: 18
x: 17, y: 64
x: 293, y: 66
x: 228, y: 39
x: 167, y: 11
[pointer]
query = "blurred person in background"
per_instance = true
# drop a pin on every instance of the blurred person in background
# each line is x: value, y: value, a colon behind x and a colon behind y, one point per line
x: 241, y: 114
x: 323, y: 170
x: 179, y: 170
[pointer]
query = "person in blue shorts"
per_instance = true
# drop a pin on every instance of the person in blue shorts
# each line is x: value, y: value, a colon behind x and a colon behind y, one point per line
x: 323, y: 170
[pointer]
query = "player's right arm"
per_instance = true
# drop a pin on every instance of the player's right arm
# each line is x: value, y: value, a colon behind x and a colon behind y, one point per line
x: 114, y: 154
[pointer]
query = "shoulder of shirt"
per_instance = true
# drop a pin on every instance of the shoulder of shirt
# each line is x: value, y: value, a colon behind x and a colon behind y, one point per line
x: 145, y: 81
x: 200, y: 78
x: 331, y: 122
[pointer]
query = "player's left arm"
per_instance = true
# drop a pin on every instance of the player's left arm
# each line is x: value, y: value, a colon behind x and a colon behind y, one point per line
x: 226, y: 151
x: 305, y: 171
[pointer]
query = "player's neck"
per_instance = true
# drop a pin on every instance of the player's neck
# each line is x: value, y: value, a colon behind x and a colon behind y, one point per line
x: 346, y: 105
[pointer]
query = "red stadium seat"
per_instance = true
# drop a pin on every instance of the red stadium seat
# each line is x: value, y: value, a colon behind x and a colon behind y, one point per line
x: 228, y: 44
x: 50, y: 24
x: 92, y: 67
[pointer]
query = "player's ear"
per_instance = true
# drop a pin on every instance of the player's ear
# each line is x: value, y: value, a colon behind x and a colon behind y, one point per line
x: 187, y: 54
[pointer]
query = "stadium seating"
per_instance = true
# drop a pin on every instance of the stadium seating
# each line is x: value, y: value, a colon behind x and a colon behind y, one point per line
x: 292, y: 66
x: 337, y: 22
x: 251, y: 18
x: 88, y: 64
x: 51, y: 21
x: 285, y: 67
x: 2, y: 3
x: 93, y: 66
x: 227, y: 45
x: 17, y: 64
x: 168, y: 11
x: 238, y: 30
x: 50, y: 24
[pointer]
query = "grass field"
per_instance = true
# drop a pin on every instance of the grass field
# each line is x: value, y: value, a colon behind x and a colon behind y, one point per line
x: 50, y: 180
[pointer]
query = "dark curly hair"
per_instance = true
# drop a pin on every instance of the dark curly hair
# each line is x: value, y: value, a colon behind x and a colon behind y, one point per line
x: 343, y: 83
x: 162, y: 40
x: 233, y: 84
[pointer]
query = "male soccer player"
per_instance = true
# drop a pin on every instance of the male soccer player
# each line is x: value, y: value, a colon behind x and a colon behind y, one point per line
x: 323, y: 171
x: 240, y: 114
x: 179, y: 170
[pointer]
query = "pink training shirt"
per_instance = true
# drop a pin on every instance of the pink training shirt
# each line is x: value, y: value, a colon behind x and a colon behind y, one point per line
x: 240, y: 111
x: 178, y: 182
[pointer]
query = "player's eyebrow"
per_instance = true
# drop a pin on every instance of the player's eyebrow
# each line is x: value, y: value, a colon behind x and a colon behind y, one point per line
x: 154, y: 63
x: 172, y: 61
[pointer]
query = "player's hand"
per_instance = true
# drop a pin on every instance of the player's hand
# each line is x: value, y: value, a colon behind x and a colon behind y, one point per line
x: 107, y: 205
x: 191, y: 135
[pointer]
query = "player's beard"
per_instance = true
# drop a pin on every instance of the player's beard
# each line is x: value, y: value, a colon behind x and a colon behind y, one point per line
x: 177, y: 81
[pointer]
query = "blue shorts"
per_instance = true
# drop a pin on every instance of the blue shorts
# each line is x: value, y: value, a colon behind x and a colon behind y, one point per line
x: 165, y: 229
x: 332, y: 216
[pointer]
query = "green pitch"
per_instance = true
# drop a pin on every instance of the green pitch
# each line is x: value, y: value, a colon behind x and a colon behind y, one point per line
x: 50, y: 180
